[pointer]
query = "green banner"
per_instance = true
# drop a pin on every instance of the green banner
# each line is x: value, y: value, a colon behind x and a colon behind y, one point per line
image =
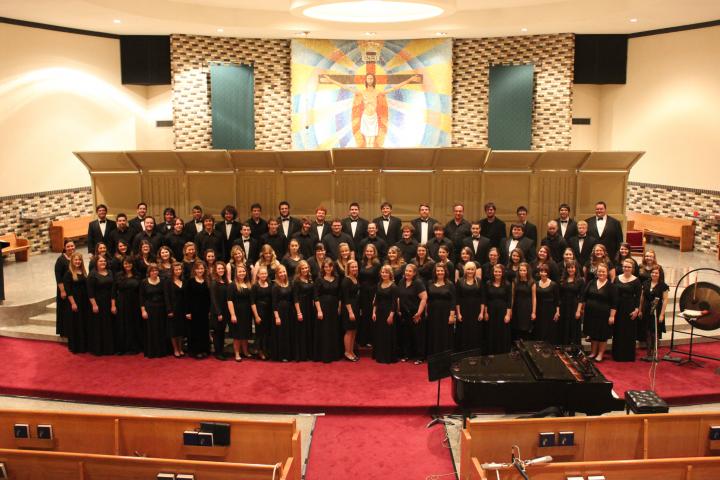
x: 233, y: 111
x: 510, y: 107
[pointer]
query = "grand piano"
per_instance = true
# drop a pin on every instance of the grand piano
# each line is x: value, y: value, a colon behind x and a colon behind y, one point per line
x: 532, y: 377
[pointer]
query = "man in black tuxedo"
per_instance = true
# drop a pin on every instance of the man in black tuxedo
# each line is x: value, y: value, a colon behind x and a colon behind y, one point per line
x: 150, y: 234
x: 228, y: 229
x: 479, y: 245
x: 492, y: 227
x: 380, y: 245
x: 438, y: 240
x: 194, y: 225
x: 355, y: 226
x: 423, y: 225
x: 209, y: 239
x: 166, y: 226
x: 137, y: 224
x: 99, y: 230
x: 333, y: 239
x: 288, y: 224
x: 531, y: 231
x: 457, y: 230
x: 320, y: 227
x: 389, y: 227
x: 582, y: 244
x: 275, y: 238
x: 555, y: 242
x: 258, y: 226
x: 568, y: 227
x: 122, y: 232
x: 517, y: 240
x: 249, y: 245
x: 606, y: 229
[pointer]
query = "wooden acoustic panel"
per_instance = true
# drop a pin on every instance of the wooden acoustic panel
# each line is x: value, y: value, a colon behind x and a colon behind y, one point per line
x: 211, y: 190
x: 360, y: 187
x: 307, y: 191
x: 507, y: 191
x: 406, y: 191
x: 121, y: 192
x: 450, y: 188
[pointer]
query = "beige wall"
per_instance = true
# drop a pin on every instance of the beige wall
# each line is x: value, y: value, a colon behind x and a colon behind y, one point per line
x: 61, y: 92
x: 669, y: 108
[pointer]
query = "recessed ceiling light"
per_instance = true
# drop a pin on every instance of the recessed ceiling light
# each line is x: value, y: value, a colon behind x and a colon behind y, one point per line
x: 523, y: 29
x: 220, y: 30
x: 441, y: 34
x: 372, y: 11
x: 117, y: 21
x: 369, y: 34
x: 302, y: 34
x: 633, y: 20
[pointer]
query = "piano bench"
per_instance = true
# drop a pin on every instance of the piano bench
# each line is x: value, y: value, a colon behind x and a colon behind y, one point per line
x: 644, y: 401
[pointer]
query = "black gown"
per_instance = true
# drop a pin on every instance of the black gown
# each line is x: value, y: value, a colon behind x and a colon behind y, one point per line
x: 219, y: 314
x: 290, y: 266
x: 77, y: 327
x: 553, y: 273
x: 177, y: 305
x: 548, y: 301
x: 281, y: 340
x: 152, y: 297
x: 261, y: 297
x: 441, y: 301
x: 425, y: 271
x: 327, y: 342
x: 521, y: 323
x: 100, y: 331
x: 470, y: 333
x: 598, y: 303
x: 304, y: 294
x: 412, y: 337
x: 385, y: 347
x: 350, y: 293
x: 590, y: 270
x: 625, y: 328
x: 197, y: 296
x: 63, y: 312
x: 242, y: 329
x: 652, y: 314
x: 497, y: 301
x: 570, y: 327
x: 368, y: 277
x: 128, y: 332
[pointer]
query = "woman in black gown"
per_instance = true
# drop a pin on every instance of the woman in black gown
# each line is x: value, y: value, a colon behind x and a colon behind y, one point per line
x: 440, y: 311
x: 628, y: 308
x: 498, y: 311
x: 599, y: 303
x: 653, y: 303
x: 63, y: 313
x: 128, y: 331
x: 101, y: 250
x: 292, y: 258
x: 188, y: 260
x: 121, y: 251
x: 470, y: 327
x: 175, y: 239
x: 197, y: 296
x: 165, y: 261
x: 396, y: 262
x: 547, y: 294
x: 219, y: 313
x: 444, y: 259
x: 240, y: 312
x: 598, y: 257
x: 237, y: 257
x: 350, y: 288
x: 649, y: 262
x: 487, y: 268
x: 572, y: 286
x: 425, y: 265
x: 524, y: 303
x: 175, y: 300
x: 623, y: 254
x: 516, y: 258
x: 283, y: 312
x: 261, y: 305
x: 327, y: 307
x: 544, y: 258
x: 316, y: 261
x: 154, y: 312
x: 384, y: 308
x: 143, y: 260
x: 100, y: 283
x: 369, y: 277
x: 412, y: 332
x: 344, y: 256
x: 75, y: 283
x: 304, y: 326
x: 465, y: 258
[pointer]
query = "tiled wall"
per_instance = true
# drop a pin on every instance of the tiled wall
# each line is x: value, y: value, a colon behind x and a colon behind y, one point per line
x: 43, y: 207
x: 678, y: 202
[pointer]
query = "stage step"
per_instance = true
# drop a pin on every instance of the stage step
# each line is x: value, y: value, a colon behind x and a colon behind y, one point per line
x: 48, y: 318
x: 32, y: 332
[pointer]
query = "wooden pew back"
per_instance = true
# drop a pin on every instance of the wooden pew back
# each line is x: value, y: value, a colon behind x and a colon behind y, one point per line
x: 673, y: 228
x: 74, y: 228
x: 18, y: 246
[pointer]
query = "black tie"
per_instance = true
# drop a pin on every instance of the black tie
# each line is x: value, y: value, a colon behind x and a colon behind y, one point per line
x: 102, y: 222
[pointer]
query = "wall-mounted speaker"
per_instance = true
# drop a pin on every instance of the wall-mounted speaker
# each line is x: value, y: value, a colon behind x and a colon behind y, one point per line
x: 145, y: 59
x: 600, y: 59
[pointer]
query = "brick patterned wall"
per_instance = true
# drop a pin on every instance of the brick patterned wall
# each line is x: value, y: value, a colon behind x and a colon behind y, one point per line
x: 678, y: 202
x: 552, y: 55
x: 74, y: 202
x: 190, y: 59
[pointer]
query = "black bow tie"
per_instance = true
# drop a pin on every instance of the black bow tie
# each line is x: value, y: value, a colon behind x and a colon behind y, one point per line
x: 198, y: 222
x: 600, y: 219
x: 245, y: 240
x: 353, y: 221
x: 563, y: 221
x: 228, y: 223
x: 101, y: 221
x: 423, y: 221
x: 285, y: 219
x: 386, y: 219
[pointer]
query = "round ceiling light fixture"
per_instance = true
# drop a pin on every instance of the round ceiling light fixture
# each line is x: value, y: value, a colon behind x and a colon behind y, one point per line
x: 372, y: 11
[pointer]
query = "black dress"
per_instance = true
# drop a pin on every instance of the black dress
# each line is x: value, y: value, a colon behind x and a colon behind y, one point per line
x: 128, y: 332
x: 175, y: 300
x: 100, y: 331
x: 553, y: 273
x: 651, y: 314
x: 197, y: 296
x: 470, y: 333
x: 487, y: 270
x: 412, y: 336
x: 368, y: 277
x: 590, y: 270
x: 77, y: 327
x: 548, y: 301
x: 441, y: 302
x: 152, y: 297
x: 281, y: 340
x: 290, y: 266
x: 350, y: 292
x: 570, y: 327
x: 521, y: 323
x: 261, y: 297
x: 63, y: 312
x: 598, y: 303
x: 242, y: 329
x: 425, y: 271
x: 219, y: 314
x: 304, y: 295
x: 625, y: 328
x: 385, y: 348
x: 497, y: 301
x: 327, y: 339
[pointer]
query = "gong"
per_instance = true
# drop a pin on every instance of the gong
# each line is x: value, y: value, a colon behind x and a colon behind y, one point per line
x: 705, y: 297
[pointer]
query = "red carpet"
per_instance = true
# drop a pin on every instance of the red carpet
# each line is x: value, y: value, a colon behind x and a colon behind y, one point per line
x: 377, y: 447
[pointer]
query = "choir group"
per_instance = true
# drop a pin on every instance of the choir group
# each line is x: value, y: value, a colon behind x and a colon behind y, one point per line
x: 289, y: 289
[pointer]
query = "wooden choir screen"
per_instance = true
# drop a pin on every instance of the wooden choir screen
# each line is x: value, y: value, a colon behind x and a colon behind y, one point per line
x: 335, y: 178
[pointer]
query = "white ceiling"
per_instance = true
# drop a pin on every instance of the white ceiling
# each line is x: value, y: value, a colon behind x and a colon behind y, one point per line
x: 272, y: 18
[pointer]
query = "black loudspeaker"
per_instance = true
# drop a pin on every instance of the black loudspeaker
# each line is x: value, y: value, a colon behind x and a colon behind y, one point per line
x: 601, y: 59
x: 145, y: 59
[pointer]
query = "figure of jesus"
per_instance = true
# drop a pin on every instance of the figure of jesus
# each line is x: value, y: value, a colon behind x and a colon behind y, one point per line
x: 369, y: 122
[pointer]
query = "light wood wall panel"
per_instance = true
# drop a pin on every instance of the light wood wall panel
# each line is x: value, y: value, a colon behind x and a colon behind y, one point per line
x: 549, y: 190
x: 507, y: 190
x: 449, y: 188
x: 211, y: 190
x: 160, y: 190
x: 406, y: 191
x: 307, y: 191
x: 609, y: 187
x: 259, y: 188
x: 120, y: 192
x: 360, y: 187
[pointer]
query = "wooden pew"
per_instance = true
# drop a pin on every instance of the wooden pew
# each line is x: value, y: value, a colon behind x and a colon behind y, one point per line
x: 673, y: 228
x: 18, y: 246
x: 631, y: 437
x: 74, y: 228
x: 33, y: 465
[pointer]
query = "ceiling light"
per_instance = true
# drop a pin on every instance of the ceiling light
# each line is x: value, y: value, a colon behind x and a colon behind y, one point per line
x: 633, y: 20
x: 523, y: 29
x: 369, y: 34
x: 372, y: 11
x: 220, y: 30
x: 117, y: 21
x: 302, y: 34
x: 441, y: 34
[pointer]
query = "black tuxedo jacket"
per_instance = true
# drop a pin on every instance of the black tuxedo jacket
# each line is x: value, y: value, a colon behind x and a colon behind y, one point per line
x: 360, y: 230
x: 570, y: 231
x: 227, y: 240
x: 190, y: 231
x: 295, y: 225
x: 258, y: 229
x: 531, y: 232
x: 481, y: 254
x: 117, y: 235
x: 612, y: 235
x: 136, y: 224
x: 394, y: 232
x: 557, y: 246
x: 526, y: 245
x: 416, y: 225
x: 95, y: 234
x: 584, y: 255
x: 253, y: 252
x: 314, y: 232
